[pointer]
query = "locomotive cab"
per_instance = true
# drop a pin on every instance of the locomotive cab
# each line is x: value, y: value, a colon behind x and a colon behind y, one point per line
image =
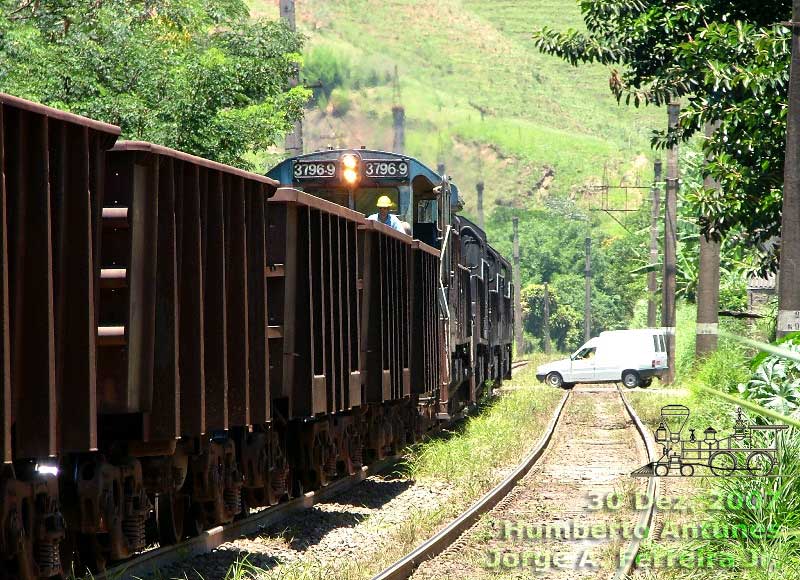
x: 356, y: 178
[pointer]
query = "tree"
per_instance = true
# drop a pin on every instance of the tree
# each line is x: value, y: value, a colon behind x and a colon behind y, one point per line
x: 196, y: 75
x: 729, y: 62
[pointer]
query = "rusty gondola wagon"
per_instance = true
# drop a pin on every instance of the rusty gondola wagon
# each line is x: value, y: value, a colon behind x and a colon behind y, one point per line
x: 183, y: 339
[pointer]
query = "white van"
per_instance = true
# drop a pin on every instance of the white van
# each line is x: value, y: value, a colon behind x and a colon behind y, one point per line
x: 632, y: 357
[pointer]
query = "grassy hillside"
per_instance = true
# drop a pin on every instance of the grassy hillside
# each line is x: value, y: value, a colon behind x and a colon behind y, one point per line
x: 477, y: 94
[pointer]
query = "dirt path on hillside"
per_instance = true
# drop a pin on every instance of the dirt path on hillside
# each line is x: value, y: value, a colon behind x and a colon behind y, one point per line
x: 593, y: 451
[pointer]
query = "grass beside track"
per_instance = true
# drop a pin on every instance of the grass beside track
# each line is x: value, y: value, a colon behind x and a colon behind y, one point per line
x: 472, y: 458
x: 723, y: 558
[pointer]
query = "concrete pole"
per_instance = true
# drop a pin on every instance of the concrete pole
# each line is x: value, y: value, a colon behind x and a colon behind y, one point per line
x: 708, y: 283
x: 517, y: 291
x: 668, y: 316
x: 587, y: 304
x: 399, y: 116
x: 479, y: 189
x: 546, y: 320
x: 655, y: 217
x: 294, y: 140
x: 789, y: 289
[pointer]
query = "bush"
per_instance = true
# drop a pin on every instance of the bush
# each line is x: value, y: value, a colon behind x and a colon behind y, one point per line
x: 339, y: 103
x: 326, y: 67
x: 775, y: 383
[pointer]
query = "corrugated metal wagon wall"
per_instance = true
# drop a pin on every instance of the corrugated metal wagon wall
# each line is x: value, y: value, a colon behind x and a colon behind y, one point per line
x: 183, y: 337
x: 386, y: 313
x: 426, y: 340
x: 50, y: 198
x: 314, y: 304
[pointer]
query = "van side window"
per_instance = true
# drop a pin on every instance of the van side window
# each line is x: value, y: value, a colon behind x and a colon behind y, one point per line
x: 656, y: 346
x: 663, y: 346
x: 586, y: 354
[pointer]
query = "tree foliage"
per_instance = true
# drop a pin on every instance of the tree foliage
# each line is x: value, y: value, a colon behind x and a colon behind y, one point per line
x: 728, y: 61
x: 196, y: 75
x: 552, y: 250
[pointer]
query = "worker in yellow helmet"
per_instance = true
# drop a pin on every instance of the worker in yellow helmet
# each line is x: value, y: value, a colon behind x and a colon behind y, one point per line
x: 383, y: 215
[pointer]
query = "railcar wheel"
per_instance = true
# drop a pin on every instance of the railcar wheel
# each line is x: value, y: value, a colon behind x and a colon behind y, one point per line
x: 630, y: 379
x: 171, y: 509
x: 662, y: 469
x: 687, y: 470
x: 647, y: 382
x: 554, y: 380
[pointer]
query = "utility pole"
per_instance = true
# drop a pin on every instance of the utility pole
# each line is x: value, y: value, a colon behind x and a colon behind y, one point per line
x: 587, y: 305
x: 517, y: 291
x: 788, y: 293
x: 399, y: 117
x: 708, y: 281
x: 546, y: 320
x: 294, y: 140
x: 652, y: 276
x: 479, y: 189
x: 670, y: 246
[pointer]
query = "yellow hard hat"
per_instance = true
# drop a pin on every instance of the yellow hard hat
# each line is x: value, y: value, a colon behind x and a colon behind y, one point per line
x: 384, y: 201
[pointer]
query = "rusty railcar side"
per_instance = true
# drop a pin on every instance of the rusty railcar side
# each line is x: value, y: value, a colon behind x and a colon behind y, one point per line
x: 386, y: 313
x: 314, y: 321
x: 51, y: 193
x: 426, y: 336
x: 183, y: 299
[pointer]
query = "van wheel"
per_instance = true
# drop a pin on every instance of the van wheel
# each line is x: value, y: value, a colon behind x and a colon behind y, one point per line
x: 630, y: 379
x: 554, y: 380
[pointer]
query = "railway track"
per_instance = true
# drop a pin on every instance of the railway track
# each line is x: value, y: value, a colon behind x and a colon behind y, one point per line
x: 519, y: 364
x: 447, y: 537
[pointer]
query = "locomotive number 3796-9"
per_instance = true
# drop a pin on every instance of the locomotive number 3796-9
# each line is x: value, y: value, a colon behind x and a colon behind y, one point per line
x: 314, y: 169
x: 391, y: 168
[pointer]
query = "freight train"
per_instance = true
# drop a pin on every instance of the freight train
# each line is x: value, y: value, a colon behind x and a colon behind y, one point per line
x: 181, y: 340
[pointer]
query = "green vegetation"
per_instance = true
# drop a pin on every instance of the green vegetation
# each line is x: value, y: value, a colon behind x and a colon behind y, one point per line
x: 729, y: 62
x: 478, y: 95
x: 496, y: 438
x: 196, y: 75
x: 770, y: 381
x: 472, y: 458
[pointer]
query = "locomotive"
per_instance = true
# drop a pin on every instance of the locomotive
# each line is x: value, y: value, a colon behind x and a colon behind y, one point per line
x: 183, y: 340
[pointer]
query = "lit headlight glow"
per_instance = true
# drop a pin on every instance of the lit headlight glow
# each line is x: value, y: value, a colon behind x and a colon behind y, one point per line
x: 350, y: 175
x: 349, y: 161
x: 46, y: 469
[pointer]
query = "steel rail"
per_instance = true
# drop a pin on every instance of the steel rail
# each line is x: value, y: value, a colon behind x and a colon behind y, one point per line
x: 149, y: 562
x: 646, y: 518
x: 404, y: 567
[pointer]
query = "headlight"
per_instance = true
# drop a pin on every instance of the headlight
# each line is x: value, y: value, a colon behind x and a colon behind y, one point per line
x: 349, y: 161
x: 350, y: 176
x: 351, y: 169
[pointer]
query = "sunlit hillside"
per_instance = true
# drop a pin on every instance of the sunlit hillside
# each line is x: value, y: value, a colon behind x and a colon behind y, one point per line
x: 478, y: 95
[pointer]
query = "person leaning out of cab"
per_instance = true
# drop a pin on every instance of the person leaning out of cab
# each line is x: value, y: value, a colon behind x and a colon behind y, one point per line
x: 386, y: 218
